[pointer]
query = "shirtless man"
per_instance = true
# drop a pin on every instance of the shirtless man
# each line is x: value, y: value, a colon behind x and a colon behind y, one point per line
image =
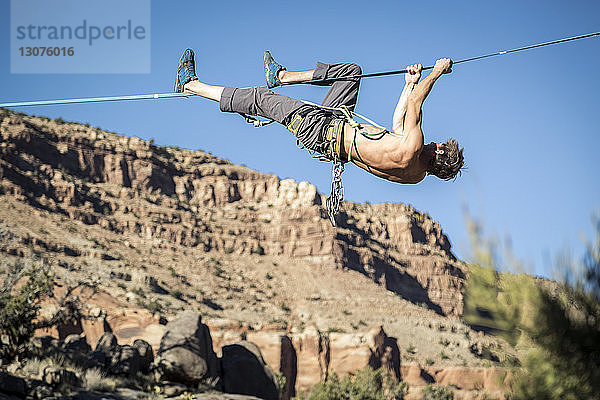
x: 399, y: 156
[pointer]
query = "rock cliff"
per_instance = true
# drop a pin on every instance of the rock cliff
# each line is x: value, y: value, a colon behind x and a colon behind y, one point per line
x: 160, y: 229
x: 193, y: 199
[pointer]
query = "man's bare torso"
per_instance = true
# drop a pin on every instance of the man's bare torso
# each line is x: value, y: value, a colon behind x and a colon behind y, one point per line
x: 388, y: 157
x: 398, y: 156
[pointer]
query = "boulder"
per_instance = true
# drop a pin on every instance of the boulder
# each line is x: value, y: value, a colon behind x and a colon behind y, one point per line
x: 56, y: 376
x: 12, y: 385
x: 288, y: 365
x: 385, y: 352
x: 97, y: 359
x: 106, y: 343
x: 222, y: 396
x: 102, y: 356
x: 244, y: 371
x: 186, y: 353
x: 76, y: 343
x: 76, y: 348
x: 38, y: 390
x: 8, y: 397
x: 171, y: 389
x: 43, y: 346
x: 125, y: 360
x: 146, y: 354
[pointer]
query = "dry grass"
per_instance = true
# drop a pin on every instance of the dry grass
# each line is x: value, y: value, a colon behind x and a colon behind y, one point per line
x: 94, y: 379
x: 33, y: 367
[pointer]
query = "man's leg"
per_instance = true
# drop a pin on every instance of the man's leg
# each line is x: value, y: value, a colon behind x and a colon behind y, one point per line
x: 254, y: 101
x: 202, y: 89
x: 292, y: 77
x: 343, y: 92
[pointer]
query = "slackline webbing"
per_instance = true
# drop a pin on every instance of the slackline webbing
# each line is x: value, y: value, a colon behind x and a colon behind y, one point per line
x: 370, y: 75
x: 402, y: 71
x: 98, y: 99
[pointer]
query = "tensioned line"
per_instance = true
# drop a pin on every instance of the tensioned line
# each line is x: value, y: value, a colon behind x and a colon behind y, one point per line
x: 98, y: 99
x: 369, y: 75
x: 402, y: 71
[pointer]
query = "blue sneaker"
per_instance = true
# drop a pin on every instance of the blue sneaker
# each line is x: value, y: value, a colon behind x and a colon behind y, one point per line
x: 186, y: 70
x: 272, y: 68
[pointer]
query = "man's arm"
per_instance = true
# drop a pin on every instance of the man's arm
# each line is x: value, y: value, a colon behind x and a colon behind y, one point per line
x: 419, y: 94
x: 412, y: 120
x: 411, y: 77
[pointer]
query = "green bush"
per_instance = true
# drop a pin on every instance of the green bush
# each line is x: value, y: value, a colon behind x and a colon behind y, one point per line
x: 367, y: 384
x: 21, y: 292
x: 281, y: 382
x: 555, y: 325
x: 437, y: 392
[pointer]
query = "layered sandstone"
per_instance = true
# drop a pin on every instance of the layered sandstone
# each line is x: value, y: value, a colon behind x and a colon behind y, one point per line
x: 96, y: 177
x: 163, y: 229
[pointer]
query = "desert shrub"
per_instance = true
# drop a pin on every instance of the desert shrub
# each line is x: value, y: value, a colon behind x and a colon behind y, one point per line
x: 32, y: 367
x: 139, y: 381
x: 366, y: 384
x: 556, y: 324
x: 95, y: 379
x: 437, y: 392
x: 564, y: 362
x: 21, y: 292
x: 498, y: 303
x: 154, y: 305
x: 281, y: 382
x: 208, y: 384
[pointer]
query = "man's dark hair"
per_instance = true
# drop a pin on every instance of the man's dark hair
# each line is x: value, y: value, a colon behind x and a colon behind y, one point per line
x: 448, y: 164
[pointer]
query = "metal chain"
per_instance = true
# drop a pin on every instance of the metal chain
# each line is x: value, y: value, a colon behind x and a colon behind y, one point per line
x: 336, y: 196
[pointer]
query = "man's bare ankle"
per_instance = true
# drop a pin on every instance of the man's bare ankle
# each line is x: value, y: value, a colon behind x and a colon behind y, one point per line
x: 282, y: 75
x: 189, y: 87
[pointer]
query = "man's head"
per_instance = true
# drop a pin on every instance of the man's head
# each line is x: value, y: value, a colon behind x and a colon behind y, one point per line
x: 447, y: 160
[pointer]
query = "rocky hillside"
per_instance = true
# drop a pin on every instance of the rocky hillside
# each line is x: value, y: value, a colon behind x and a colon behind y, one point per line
x: 163, y: 229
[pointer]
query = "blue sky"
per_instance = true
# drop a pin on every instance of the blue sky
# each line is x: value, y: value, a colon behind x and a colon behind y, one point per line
x: 528, y: 121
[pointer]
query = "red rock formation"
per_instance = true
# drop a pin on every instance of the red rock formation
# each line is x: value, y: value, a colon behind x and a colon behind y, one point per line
x: 68, y: 168
x: 142, y: 205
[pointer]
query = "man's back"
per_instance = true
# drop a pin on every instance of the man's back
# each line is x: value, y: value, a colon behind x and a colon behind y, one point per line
x: 391, y: 157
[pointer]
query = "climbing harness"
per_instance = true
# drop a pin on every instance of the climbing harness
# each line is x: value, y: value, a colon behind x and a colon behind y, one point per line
x: 331, y: 150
